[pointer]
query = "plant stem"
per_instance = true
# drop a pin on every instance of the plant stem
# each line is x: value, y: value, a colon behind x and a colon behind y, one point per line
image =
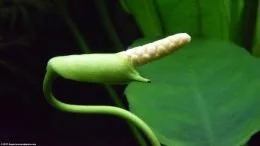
x: 107, y: 24
x: 256, y: 43
x: 135, y: 131
x: 62, y: 8
x: 89, y: 109
x: 78, y: 36
x: 249, y: 23
x: 85, y: 49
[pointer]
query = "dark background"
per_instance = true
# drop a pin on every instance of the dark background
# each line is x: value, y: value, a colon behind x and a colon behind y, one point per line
x: 25, y: 48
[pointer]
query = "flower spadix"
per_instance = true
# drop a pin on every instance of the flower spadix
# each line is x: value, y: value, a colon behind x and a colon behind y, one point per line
x: 116, y: 67
x: 153, y: 51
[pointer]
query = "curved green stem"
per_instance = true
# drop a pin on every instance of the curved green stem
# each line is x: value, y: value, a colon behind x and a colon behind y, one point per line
x: 61, y: 5
x: 118, y: 102
x: 89, y: 109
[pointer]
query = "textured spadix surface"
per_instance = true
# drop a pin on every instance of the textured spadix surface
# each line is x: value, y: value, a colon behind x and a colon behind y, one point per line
x: 205, y: 94
x: 152, y: 51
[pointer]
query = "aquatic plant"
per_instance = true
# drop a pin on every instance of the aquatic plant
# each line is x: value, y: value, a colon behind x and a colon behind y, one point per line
x: 205, y: 94
x: 108, y: 68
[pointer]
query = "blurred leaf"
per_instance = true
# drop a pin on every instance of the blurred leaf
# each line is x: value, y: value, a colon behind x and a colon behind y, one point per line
x: 146, y: 16
x: 236, y: 20
x: 197, y: 17
x: 256, y: 44
x: 205, y: 94
x: 213, y: 19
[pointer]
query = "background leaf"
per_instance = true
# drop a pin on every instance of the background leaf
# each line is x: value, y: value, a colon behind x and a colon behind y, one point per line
x: 205, y: 94
x: 196, y: 17
x: 146, y: 16
x: 213, y: 19
x: 256, y: 44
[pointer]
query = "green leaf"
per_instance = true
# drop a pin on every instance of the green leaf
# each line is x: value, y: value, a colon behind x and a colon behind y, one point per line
x: 205, y: 94
x: 256, y: 44
x: 212, y: 19
x: 236, y: 21
x: 146, y: 16
x: 197, y: 17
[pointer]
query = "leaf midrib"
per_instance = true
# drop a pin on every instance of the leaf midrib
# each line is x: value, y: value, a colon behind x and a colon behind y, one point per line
x: 202, y: 108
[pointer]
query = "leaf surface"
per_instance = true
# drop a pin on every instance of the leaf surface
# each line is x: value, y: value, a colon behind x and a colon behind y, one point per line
x: 205, y: 94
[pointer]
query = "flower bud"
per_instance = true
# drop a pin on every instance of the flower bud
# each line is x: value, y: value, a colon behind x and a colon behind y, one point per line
x: 97, y: 68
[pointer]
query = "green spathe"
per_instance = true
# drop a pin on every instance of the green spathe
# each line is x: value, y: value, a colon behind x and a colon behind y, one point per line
x: 97, y: 68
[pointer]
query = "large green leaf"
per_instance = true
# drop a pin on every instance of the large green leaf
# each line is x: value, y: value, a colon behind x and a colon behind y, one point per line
x: 205, y: 94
